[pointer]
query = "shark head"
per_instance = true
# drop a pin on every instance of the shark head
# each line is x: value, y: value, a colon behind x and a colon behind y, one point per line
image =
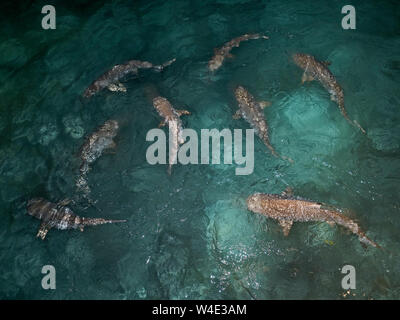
x: 158, y: 101
x: 110, y: 128
x: 215, y: 62
x: 242, y: 95
x: 34, y: 203
x: 254, y: 202
x: 160, y: 104
x: 301, y: 59
x: 35, y: 206
x: 90, y: 91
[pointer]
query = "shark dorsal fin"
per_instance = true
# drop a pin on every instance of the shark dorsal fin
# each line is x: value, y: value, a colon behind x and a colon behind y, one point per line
x: 326, y: 63
x: 288, y: 192
x: 182, y: 112
x: 64, y: 202
x: 263, y: 104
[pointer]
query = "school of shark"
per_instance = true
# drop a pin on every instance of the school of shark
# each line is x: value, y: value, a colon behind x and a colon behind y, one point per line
x: 285, y: 208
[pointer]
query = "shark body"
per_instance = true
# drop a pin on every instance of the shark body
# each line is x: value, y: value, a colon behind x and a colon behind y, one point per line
x: 251, y: 111
x: 287, y: 209
x: 225, y: 51
x: 95, y: 145
x: 111, y: 78
x: 318, y: 70
x: 171, y: 117
x: 59, y: 216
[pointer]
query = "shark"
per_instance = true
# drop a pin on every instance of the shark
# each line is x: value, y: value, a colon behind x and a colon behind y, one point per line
x: 318, y: 70
x: 171, y: 116
x: 287, y: 209
x: 252, y: 111
x: 225, y: 51
x: 60, y: 216
x: 95, y: 145
x: 111, y: 78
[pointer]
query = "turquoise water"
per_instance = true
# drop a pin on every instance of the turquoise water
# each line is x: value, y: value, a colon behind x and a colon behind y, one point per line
x: 189, y: 235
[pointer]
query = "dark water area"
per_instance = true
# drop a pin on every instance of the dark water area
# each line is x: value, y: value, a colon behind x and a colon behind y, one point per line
x: 189, y: 235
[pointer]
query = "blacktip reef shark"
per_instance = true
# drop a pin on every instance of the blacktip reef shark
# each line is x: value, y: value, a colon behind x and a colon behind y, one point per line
x: 94, y: 146
x: 318, y: 70
x: 286, y: 209
x: 225, y: 51
x: 111, y: 78
x: 252, y: 111
x: 172, y: 118
x: 59, y: 216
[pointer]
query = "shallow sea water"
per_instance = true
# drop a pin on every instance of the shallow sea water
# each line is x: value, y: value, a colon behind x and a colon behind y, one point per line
x: 189, y: 235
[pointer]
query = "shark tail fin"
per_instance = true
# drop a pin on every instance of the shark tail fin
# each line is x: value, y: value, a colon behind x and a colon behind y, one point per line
x: 270, y: 147
x: 160, y: 67
x: 166, y: 64
x: 359, y: 127
x: 98, y: 221
x: 277, y: 155
x: 352, y: 122
x: 365, y: 240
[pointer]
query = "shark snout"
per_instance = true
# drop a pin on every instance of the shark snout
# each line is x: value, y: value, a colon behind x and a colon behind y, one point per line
x: 252, y: 202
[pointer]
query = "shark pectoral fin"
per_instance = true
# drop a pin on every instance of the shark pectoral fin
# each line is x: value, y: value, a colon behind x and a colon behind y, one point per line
x: 65, y: 202
x: 288, y: 192
x: 183, y: 112
x: 121, y: 87
x: 303, y: 78
x: 115, y: 87
x: 286, y: 226
x: 331, y: 223
x: 264, y: 104
x: 306, y: 77
x: 111, y: 147
x: 112, y: 87
x: 237, y: 115
x: 44, y: 228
